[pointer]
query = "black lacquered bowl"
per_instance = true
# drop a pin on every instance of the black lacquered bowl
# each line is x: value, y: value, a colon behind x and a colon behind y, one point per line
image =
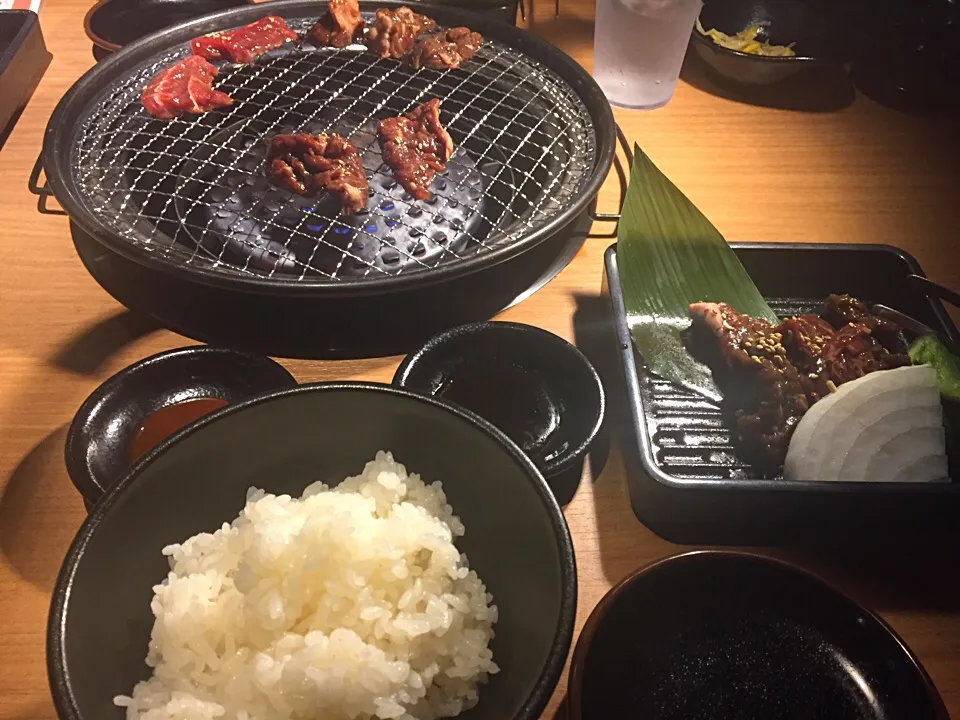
x: 516, y: 536
x: 731, y: 636
x: 534, y: 385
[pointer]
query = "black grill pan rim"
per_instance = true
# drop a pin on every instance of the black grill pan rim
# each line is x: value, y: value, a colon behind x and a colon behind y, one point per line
x: 59, y: 138
x: 638, y: 430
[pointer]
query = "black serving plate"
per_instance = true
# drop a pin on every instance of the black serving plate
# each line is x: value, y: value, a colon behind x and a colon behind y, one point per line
x: 687, y: 485
x: 23, y: 60
x: 732, y: 636
x: 100, y: 436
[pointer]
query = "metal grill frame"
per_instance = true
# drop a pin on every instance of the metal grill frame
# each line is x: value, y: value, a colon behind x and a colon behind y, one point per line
x: 61, y: 137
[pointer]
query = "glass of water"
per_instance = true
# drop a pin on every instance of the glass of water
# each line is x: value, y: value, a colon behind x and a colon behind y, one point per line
x: 638, y: 48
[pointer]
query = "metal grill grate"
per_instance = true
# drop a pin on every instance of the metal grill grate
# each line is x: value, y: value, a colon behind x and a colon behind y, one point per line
x: 193, y: 188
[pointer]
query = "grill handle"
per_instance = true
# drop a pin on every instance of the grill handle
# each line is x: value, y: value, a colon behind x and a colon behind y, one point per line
x: 622, y: 179
x: 41, y: 191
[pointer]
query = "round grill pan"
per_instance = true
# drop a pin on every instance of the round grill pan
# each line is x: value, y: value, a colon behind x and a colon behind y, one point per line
x: 534, y: 138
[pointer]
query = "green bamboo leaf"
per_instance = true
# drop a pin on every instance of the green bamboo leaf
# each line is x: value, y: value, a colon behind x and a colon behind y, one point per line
x: 668, y: 256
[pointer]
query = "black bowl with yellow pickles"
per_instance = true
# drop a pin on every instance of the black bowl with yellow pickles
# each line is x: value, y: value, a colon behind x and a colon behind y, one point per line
x: 819, y: 33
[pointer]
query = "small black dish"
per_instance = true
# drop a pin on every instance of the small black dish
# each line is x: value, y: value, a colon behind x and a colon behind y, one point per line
x: 111, y: 24
x: 103, y: 431
x: 720, y: 635
x: 535, y: 386
x: 823, y: 33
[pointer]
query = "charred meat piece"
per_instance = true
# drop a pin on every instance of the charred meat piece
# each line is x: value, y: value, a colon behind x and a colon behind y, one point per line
x: 246, y: 44
x: 446, y: 50
x: 761, y: 387
x: 312, y: 164
x: 393, y: 32
x: 841, y: 310
x: 186, y: 86
x: 416, y: 147
x: 339, y: 26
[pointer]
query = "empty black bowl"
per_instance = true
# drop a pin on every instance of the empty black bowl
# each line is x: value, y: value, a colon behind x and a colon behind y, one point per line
x: 824, y: 32
x: 730, y: 636
x: 535, y: 386
x: 100, y: 619
x: 103, y: 431
x: 111, y: 24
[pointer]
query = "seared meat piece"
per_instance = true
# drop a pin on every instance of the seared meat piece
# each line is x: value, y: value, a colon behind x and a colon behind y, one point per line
x: 416, y: 147
x: 446, y: 50
x: 186, y: 86
x: 841, y: 310
x: 339, y: 26
x: 393, y: 32
x: 760, y: 385
x: 246, y: 44
x: 311, y: 164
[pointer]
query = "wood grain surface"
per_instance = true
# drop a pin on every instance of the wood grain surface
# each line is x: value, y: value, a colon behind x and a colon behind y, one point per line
x: 818, y: 164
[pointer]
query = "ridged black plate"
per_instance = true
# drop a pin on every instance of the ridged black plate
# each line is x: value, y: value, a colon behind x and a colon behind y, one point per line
x: 686, y: 481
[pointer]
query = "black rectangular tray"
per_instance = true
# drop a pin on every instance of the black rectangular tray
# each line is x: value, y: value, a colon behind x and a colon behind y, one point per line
x: 686, y: 483
x: 23, y: 60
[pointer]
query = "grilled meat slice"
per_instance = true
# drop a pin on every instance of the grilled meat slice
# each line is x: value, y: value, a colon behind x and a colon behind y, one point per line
x: 393, y: 32
x: 760, y: 385
x: 339, y: 26
x: 245, y: 44
x: 416, y: 147
x: 185, y: 87
x: 446, y: 50
x: 311, y: 164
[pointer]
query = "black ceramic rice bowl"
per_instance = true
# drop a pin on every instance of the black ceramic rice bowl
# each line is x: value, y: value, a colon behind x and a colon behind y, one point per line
x: 100, y: 617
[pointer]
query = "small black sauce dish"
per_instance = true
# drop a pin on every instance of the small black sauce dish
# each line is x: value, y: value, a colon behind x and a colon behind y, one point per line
x: 722, y: 635
x: 103, y: 438
x: 111, y: 24
x: 823, y: 32
x: 535, y: 386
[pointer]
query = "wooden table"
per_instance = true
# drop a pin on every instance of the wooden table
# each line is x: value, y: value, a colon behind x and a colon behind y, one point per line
x: 862, y: 173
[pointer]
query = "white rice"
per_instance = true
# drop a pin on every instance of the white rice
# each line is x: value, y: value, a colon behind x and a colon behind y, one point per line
x: 352, y: 602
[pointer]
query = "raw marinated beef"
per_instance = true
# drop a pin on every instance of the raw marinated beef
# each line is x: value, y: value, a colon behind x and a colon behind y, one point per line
x: 446, y: 50
x: 760, y: 386
x: 312, y: 164
x: 393, y: 32
x: 416, y: 147
x: 186, y: 86
x: 339, y: 27
x: 770, y: 375
x: 246, y: 44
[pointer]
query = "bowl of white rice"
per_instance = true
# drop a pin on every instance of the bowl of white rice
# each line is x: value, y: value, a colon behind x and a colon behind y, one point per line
x: 334, y: 551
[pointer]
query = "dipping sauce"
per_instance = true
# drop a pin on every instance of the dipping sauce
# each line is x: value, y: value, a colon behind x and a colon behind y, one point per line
x: 510, y: 397
x: 167, y: 420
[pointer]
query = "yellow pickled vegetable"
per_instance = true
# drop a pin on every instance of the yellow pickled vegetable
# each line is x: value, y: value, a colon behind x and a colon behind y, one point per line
x: 746, y: 41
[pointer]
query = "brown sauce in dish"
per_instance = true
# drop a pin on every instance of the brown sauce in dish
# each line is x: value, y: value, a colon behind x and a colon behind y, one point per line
x: 167, y: 420
x: 510, y: 397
